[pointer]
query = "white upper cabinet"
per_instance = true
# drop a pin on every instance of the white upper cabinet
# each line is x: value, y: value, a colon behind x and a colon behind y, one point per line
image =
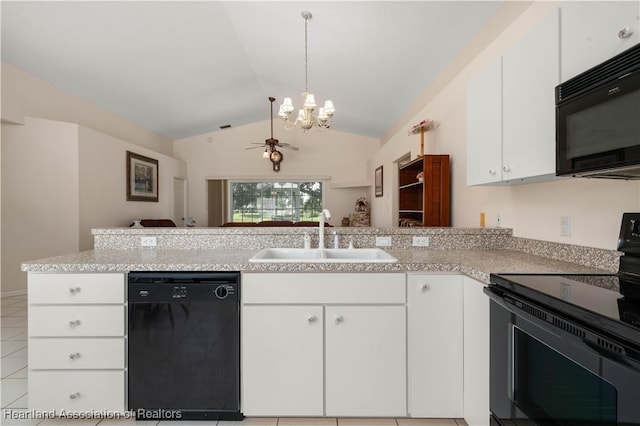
x: 530, y: 72
x: 591, y: 32
x: 511, y: 111
x: 484, y: 125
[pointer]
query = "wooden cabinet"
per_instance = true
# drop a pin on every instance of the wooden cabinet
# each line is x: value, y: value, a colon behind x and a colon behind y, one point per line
x: 511, y: 111
x: 329, y: 344
x: 590, y: 32
x: 426, y: 202
x: 76, y: 342
x: 476, y: 353
x: 435, y: 345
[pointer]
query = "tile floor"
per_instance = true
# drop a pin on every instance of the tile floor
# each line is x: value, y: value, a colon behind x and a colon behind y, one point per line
x: 14, y: 388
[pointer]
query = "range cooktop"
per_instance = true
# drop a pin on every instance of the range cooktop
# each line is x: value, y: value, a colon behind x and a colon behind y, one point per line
x: 593, y: 300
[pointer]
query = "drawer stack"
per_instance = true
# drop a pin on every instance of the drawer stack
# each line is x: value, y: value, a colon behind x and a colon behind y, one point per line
x: 77, y: 342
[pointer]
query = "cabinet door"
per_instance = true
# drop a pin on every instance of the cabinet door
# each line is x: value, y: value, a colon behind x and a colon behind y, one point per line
x: 435, y: 345
x: 530, y: 72
x: 484, y: 125
x: 589, y: 32
x: 282, y: 361
x: 366, y: 361
x: 476, y: 353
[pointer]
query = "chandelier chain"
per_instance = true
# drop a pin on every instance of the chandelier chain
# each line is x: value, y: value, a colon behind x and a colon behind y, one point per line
x: 306, y: 75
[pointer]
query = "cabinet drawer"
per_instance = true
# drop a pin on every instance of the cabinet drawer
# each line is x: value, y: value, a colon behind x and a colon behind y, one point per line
x: 77, y: 321
x: 76, y: 288
x: 74, y: 353
x: 76, y: 390
x: 324, y: 288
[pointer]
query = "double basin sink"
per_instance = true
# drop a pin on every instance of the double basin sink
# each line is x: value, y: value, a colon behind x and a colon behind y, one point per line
x: 300, y: 255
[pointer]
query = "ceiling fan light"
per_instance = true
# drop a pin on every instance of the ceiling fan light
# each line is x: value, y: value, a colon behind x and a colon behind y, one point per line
x: 265, y: 154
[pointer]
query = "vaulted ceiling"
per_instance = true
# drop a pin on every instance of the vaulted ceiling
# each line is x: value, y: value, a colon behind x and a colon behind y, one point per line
x: 185, y: 68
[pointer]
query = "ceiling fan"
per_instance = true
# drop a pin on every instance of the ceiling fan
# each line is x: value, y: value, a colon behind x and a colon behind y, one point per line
x: 270, y: 145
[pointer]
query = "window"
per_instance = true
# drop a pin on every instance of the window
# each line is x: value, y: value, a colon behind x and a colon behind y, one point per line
x: 294, y: 201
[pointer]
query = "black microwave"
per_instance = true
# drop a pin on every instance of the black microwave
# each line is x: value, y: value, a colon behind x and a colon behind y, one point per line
x: 598, y: 120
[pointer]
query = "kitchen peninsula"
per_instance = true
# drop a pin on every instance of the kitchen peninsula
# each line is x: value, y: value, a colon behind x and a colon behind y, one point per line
x: 371, y: 313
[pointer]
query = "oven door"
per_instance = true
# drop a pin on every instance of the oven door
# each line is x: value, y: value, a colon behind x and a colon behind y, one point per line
x: 549, y: 373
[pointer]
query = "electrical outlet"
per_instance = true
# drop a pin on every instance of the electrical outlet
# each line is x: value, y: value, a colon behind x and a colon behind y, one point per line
x: 565, y: 226
x: 148, y: 241
x: 498, y: 220
x: 383, y: 241
x: 420, y: 241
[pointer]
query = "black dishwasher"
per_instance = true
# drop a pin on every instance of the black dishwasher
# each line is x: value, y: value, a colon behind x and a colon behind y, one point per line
x: 184, y: 345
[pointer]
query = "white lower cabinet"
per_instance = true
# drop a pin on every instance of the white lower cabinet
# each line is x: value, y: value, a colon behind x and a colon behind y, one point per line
x: 76, y: 345
x: 282, y: 360
x: 435, y: 304
x: 476, y: 353
x: 365, y: 361
x: 329, y: 344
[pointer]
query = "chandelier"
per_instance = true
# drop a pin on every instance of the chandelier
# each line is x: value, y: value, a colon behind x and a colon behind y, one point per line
x: 306, y: 116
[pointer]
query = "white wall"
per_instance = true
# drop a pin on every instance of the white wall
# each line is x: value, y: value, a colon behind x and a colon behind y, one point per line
x: 25, y: 95
x: 102, y: 174
x: 40, y: 202
x: 340, y: 156
x: 60, y: 180
x: 532, y: 210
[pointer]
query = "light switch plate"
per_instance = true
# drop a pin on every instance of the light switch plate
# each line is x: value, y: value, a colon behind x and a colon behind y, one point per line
x: 148, y: 241
x: 383, y: 241
x: 420, y: 241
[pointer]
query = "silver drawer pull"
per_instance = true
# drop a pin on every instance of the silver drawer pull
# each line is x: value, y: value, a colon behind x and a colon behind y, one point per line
x: 74, y: 355
x: 74, y: 323
x: 424, y: 288
x: 312, y: 319
x: 74, y: 395
x: 74, y: 290
x: 625, y: 33
x: 339, y: 319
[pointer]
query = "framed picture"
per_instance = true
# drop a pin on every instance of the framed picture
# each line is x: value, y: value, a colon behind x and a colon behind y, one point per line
x: 378, y: 182
x: 142, y: 178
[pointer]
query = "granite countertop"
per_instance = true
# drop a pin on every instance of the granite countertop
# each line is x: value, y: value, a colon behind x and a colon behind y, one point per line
x: 474, y: 263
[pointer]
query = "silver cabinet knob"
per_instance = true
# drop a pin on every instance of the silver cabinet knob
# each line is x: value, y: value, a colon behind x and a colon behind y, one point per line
x: 506, y: 168
x: 625, y: 32
x: 74, y: 323
x: 74, y: 290
x: 339, y: 319
x: 424, y: 288
x: 312, y: 319
x: 74, y: 395
x: 75, y: 355
x: 492, y: 171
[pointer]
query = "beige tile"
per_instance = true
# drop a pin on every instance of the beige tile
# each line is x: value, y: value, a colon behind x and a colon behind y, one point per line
x: 12, y: 390
x: 126, y: 422
x: 426, y: 422
x: 11, y: 346
x: 307, y: 421
x: 8, y: 333
x: 367, y: 422
x: 253, y: 421
x: 187, y: 422
x: 461, y: 422
x: 12, y: 365
x: 19, y: 404
x: 76, y: 422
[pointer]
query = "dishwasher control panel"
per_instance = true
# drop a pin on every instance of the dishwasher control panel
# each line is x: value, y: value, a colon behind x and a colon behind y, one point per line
x: 183, y: 287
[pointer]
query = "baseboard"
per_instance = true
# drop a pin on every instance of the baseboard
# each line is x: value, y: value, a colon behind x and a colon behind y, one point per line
x: 13, y: 293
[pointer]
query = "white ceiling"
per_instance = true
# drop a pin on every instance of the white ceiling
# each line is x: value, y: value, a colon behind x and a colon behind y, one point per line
x: 185, y: 68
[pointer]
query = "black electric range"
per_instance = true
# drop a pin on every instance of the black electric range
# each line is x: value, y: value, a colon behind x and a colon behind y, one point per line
x: 565, y: 348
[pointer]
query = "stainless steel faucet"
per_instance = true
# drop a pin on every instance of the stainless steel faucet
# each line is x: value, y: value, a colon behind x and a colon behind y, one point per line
x: 324, y: 215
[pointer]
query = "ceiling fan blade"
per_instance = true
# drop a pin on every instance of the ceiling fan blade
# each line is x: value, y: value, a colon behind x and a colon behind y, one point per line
x: 253, y: 147
x: 291, y: 147
x: 258, y: 143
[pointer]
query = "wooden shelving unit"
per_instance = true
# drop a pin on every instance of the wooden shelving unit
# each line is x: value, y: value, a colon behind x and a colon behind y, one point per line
x: 425, y: 203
